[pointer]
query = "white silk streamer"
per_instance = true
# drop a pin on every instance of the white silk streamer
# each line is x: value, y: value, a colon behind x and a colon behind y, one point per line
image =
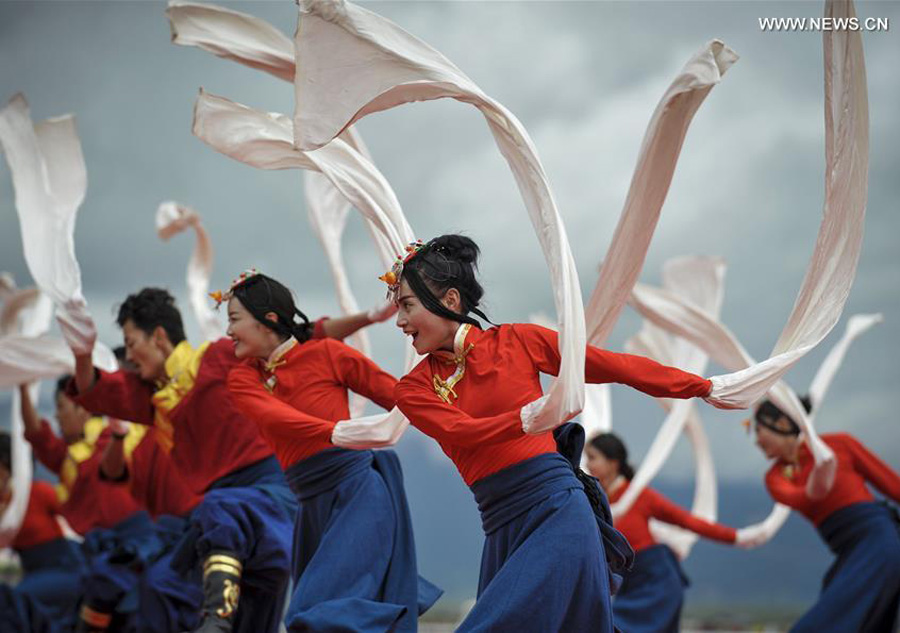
x: 355, y: 63
x: 670, y: 312
x: 173, y: 218
x: 832, y: 267
x: 255, y: 43
x: 34, y: 311
x: 265, y: 141
x: 50, y: 182
x: 700, y: 282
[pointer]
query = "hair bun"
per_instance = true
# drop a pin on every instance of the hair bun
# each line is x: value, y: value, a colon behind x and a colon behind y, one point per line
x: 457, y: 247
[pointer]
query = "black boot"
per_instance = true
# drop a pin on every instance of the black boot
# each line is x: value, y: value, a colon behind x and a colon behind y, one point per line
x: 221, y: 590
x: 93, y: 618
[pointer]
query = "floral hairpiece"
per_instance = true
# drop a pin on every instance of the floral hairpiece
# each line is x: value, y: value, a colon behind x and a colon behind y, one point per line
x: 392, y: 277
x: 221, y: 297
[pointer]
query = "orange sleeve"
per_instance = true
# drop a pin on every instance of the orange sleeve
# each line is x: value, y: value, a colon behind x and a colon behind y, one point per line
x: 47, y: 495
x: 786, y: 492
x: 49, y: 448
x: 668, y: 512
x: 361, y: 375
x: 872, y: 468
x: 602, y: 366
x: 446, y: 423
x: 276, y: 419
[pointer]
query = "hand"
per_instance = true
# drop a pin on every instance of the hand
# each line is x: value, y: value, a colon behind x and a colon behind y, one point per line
x: 751, y: 536
x: 77, y: 326
x: 382, y: 312
x: 118, y: 427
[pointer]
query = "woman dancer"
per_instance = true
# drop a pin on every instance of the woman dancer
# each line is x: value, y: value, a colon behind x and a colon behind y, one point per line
x: 652, y: 594
x: 354, y: 554
x: 543, y: 567
x: 861, y: 590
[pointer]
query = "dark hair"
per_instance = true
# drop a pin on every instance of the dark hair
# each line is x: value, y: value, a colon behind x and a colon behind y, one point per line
x: 768, y: 414
x: 613, y: 448
x: 61, y: 384
x: 152, y: 308
x: 261, y: 294
x: 445, y: 262
x: 5, y: 451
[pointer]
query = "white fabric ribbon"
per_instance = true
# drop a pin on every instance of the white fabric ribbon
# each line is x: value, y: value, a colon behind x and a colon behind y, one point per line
x: 700, y: 282
x: 650, y: 183
x: 173, y: 218
x: 50, y: 182
x: 832, y: 267
x: 355, y: 63
x: 35, y: 311
x: 265, y: 141
x: 688, y: 321
x: 257, y: 44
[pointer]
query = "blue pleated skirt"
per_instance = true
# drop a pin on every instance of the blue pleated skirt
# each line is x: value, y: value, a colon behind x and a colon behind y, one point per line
x: 543, y: 567
x: 354, y: 552
x: 54, y: 574
x: 861, y: 590
x: 652, y: 594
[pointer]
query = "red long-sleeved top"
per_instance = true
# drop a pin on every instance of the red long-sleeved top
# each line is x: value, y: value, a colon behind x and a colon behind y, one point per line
x: 39, y: 525
x: 855, y: 466
x: 635, y: 524
x: 154, y: 481
x: 482, y: 430
x: 89, y: 501
x: 306, y: 394
x: 197, y: 422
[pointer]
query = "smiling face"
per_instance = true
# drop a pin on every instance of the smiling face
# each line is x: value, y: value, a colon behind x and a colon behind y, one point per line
x: 250, y: 337
x: 429, y: 331
x: 147, y: 352
x: 775, y: 445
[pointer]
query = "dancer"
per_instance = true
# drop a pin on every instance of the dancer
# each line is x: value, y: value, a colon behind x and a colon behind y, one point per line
x: 52, y: 566
x: 861, y: 590
x: 354, y: 554
x: 240, y: 534
x: 543, y: 566
x: 652, y: 594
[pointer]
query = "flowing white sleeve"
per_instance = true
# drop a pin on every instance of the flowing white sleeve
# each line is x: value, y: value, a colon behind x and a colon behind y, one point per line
x: 173, y: 218
x: 355, y: 63
x: 698, y: 281
x: 50, y: 182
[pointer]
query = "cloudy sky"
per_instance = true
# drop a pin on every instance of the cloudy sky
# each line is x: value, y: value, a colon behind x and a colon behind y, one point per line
x: 584, y: 78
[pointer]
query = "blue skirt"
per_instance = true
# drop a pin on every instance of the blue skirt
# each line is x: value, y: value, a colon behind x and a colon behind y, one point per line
x: 117, y: 558
x: 543, y: 567
x: 652, y: 594
x: 354, y: 552
x: 53, y: 580
x: 20, y: 613
x: 861, y: 590
x: 250, y: 513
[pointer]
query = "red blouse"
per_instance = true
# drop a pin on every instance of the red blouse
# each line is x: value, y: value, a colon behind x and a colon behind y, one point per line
x: 635, y: 524
x: 155, y: 482
x: 481, y: 431
x: 297, y: 398
x: 196, y: 420
x: 39, y: 525
x: 89, y: 501
x: 855, y: 466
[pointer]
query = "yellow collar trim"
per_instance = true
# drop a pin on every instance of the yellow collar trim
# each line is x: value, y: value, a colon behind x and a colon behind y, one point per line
x: 276, y: 357
x: 182, y: 366
x: 444, y: 388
